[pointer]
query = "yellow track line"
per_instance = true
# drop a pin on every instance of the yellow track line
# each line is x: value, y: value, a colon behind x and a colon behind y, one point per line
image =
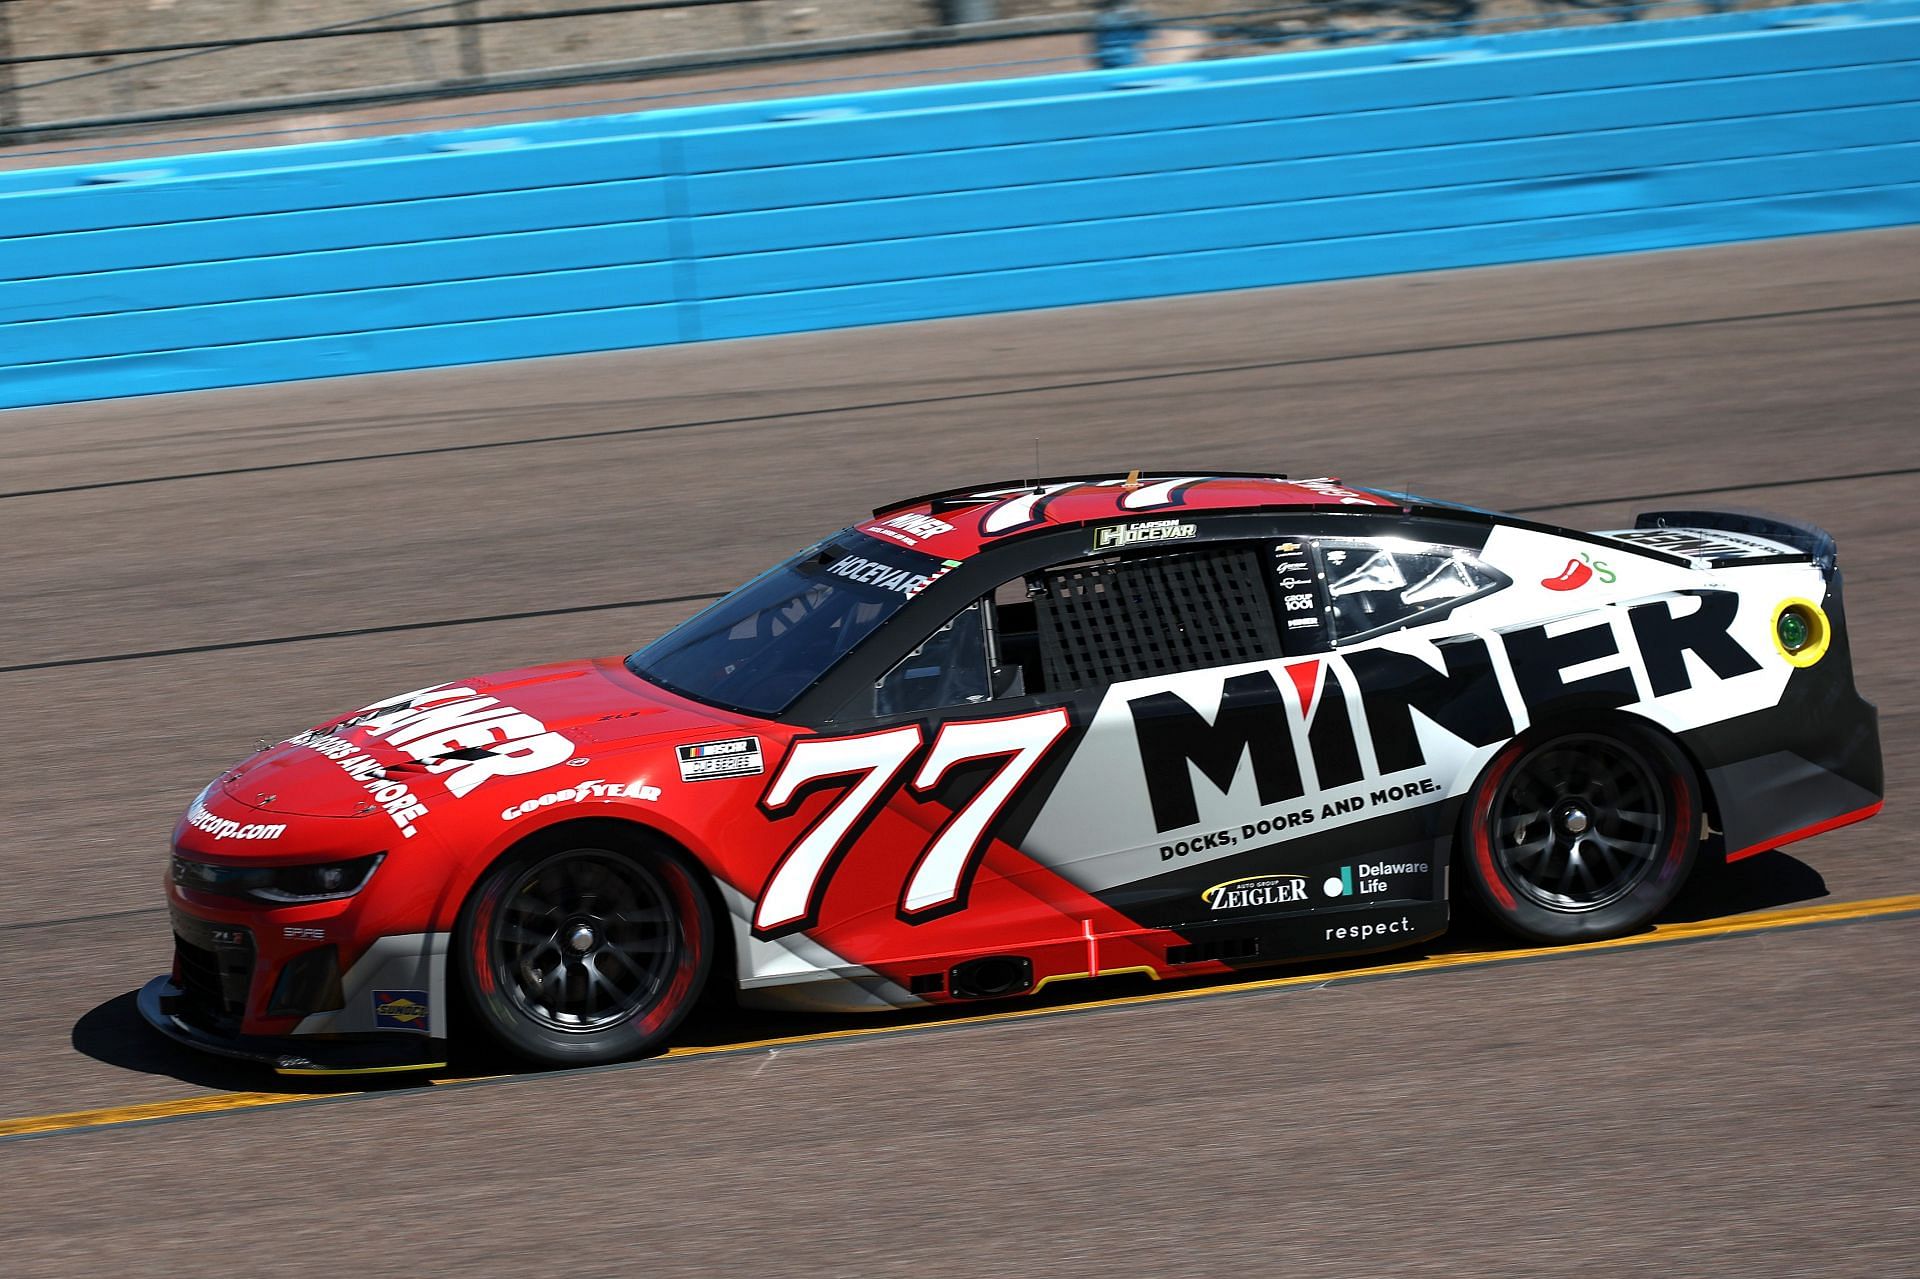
x: 1833, y: 912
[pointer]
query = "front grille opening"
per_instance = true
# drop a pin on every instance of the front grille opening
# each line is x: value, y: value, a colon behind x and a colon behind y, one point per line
x: 1219, y: 948
x: 309, y: 983
x: 213, y: 983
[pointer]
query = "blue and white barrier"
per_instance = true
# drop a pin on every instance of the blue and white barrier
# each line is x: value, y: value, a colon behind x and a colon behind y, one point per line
x: 188, y: 272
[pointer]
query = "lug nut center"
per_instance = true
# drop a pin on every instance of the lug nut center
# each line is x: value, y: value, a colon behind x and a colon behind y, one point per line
x: 581, y: 939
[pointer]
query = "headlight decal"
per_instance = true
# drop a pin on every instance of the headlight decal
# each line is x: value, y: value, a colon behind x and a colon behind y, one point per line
x: 278, y: 885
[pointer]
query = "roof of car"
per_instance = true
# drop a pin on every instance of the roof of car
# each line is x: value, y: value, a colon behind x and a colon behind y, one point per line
x: 958, y: 523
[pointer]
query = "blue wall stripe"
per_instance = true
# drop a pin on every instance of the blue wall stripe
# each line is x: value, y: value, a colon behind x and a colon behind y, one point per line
x: 1302, y: 222
x: 1267, y: 265
x: 165, y: 196
x: 294, y: 275
x: 318, y: 314
x: 794, y: 186
x: 341, y: 355
x: 1206, y: 106
x: 419, y: 221
x: 1040, y: 204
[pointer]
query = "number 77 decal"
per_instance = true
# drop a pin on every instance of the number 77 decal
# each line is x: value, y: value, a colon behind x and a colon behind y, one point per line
x: 940, y: 878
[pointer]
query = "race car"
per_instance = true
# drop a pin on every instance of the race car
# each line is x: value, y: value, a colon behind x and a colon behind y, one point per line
x: 1012, y: 735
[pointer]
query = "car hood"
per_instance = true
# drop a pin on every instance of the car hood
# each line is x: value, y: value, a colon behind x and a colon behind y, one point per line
x: 440, y: 744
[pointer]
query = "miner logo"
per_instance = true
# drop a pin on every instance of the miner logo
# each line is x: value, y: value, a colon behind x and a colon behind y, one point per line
x: 1256, y: 890
x: 400, y: 1009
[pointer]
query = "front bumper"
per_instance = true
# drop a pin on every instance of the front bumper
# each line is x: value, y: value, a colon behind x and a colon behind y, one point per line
x: 161, y: 1002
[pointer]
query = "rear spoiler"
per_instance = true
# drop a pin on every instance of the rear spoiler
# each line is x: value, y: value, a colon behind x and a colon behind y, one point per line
x: 1810, y: 540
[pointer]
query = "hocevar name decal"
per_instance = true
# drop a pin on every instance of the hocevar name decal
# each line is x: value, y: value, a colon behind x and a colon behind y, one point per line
x: 856, y: 568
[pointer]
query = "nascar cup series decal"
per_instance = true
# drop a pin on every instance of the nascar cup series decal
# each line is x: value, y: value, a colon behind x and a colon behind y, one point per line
x: 706, y: 761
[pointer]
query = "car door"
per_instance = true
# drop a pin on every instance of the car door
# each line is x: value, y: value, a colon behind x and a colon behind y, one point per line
x: 1246, y: 780
x: 1184, y: 661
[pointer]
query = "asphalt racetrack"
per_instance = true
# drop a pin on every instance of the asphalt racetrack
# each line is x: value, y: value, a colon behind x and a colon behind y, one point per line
x: 186, y: 575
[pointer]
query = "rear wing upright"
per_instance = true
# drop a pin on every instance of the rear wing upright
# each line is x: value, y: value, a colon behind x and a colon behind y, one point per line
x: 1809, y: 540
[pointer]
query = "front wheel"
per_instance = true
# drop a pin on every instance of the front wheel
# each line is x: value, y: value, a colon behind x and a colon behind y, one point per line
x: 585, y: 947
x: 1576, y: 836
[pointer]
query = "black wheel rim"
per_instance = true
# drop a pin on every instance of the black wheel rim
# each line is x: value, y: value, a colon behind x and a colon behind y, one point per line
x: 1579, y: 822
x: 584, y: 940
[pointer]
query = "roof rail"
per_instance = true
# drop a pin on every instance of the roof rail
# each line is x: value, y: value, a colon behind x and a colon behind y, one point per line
x: 952, y: 496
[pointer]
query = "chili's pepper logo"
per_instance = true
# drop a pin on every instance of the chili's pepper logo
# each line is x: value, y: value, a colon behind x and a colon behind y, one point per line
x: 1578, y: 573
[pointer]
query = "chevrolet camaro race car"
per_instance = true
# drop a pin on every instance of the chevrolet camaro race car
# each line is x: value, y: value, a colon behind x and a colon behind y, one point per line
x: 1008, y: 736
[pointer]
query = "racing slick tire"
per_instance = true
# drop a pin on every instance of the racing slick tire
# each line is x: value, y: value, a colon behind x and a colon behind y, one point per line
x: 585, y: 944
x: 1581, y: 833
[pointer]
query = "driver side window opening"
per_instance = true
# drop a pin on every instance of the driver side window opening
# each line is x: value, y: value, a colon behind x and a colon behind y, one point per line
x: 1092, y: 622
x: 949, y: 668
x: 1104, y: 621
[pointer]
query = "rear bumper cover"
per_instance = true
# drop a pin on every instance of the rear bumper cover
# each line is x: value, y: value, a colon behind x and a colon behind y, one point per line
x: 160, y: 1002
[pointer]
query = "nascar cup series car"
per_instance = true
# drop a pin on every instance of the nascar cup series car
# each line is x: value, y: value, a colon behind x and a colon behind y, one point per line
x: 1003, y: 737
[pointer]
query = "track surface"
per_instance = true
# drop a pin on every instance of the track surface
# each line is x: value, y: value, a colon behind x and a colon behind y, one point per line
x: 1744, y: 1105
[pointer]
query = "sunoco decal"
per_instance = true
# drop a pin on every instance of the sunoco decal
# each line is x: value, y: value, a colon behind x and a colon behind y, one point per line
x: 400, y: 1010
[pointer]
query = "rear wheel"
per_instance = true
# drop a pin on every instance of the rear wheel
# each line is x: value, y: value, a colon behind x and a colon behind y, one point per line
x: 585, y: 947
x: 1579, y: 835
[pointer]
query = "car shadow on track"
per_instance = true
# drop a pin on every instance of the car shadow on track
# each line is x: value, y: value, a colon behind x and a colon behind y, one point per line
x: 113, y: 1032
x: 1764, y: 882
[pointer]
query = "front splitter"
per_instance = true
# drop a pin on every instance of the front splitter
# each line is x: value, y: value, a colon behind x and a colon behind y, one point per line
x: 289, y: 1056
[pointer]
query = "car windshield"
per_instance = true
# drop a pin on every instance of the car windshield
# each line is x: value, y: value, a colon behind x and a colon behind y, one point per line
x: 769, y: 641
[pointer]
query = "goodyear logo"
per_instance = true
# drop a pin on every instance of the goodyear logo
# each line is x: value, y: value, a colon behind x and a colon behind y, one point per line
x: 400, y: 1009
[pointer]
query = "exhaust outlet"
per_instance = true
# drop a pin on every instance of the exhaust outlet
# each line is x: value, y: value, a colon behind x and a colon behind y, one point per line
x: 990, y: 977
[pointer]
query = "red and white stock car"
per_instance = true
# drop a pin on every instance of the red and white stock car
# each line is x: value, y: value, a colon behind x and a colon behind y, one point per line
x: 1007, y: 736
